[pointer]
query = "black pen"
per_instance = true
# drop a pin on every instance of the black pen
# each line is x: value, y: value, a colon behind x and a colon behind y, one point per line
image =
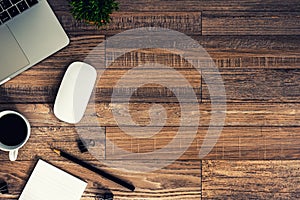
x: 94, y: 169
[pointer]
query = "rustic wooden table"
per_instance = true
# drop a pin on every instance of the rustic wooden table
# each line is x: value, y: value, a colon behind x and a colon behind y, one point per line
x: 256, y: 47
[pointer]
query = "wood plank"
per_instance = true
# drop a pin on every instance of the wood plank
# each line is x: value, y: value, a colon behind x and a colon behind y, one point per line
x: 250, y: 23
x: 43, y: 138
x: 79, y: 48
x: 180, y: 180
x: 242, y: 114
x: 250, y: 179
x: 258, y: 85
x: 255, y: 46
x: 189, y: 23
x: 234, y: 143
x: 282, y: 142
x: 46, y: 88
x: 34, y: 85
x: 251, y: 85
x: 148, y: 85
x: 282, y: 23
x: 186, y: 22
x: 249, y: 51
x: 226, y: 51
x: 249, y: 143
x: 41, y: 82
x: 194, y: 5
x: 268, y: 23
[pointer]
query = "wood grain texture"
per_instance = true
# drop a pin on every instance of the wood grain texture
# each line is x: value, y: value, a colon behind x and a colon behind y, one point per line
x: 250, y: 23
x: 249, y: 51
x: 226, y: 51
x: 43, y: 138
x: 261, y: 143
x: 156, y: 85
x: 250, y: 179
x: 252, y: 85
x: 194, y: 5
x: 180, y: 180
x: 255, y: 45
x: 41, y: 82
x: 235, y: 143
x: 276, y: 85
x: 120, y: 21
x: 36, y: 82
x: 282, y: 142
x: 243, y: 114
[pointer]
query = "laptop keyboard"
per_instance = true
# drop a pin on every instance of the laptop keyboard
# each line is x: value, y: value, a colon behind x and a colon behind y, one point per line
x: 11, y: 8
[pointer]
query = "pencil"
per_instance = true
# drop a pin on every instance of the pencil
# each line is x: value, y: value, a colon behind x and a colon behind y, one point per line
x: 94, y: 169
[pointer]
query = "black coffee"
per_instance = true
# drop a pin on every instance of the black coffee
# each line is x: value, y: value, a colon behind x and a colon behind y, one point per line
x: 13, y: 130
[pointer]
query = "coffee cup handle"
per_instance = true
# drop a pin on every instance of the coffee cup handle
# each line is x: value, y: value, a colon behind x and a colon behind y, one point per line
x: 13, y: 155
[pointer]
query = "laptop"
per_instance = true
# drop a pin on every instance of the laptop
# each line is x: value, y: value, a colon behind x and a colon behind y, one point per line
x: 29, y: 33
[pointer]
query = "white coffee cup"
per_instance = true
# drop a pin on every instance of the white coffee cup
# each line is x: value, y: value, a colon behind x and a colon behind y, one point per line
x: 14, y: 132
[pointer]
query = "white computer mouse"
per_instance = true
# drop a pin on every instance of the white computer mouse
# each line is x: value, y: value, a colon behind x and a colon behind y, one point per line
x: 74, y: 92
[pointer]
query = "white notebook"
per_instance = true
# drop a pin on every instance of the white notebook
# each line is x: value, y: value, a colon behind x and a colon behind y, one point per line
x: 47, y: 182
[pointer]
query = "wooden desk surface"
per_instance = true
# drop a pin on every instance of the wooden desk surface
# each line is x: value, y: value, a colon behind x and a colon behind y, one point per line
x: 256, y: 47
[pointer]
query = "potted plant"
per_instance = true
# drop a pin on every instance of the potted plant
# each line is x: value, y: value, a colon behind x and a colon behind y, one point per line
x: 93, y: 11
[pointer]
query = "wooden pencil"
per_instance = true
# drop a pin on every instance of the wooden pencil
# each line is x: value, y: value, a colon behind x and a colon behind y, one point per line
x: 94, y: 169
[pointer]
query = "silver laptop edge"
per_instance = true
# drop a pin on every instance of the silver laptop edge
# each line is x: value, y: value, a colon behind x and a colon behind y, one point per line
x: 28, y: 39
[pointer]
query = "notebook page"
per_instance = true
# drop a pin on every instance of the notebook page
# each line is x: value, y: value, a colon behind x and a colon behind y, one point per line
x: 48, y: 183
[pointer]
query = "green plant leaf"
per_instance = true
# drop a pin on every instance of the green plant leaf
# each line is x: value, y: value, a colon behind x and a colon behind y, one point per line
x: 96, y: 11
